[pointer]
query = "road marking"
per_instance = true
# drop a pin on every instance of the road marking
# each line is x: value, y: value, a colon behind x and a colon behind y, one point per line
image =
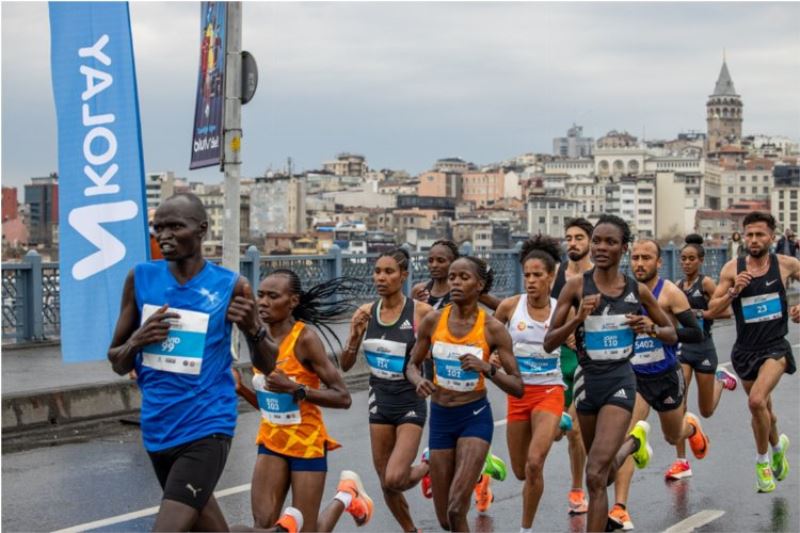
x: 142, y: 513
x: 502, y: 422
x: 695, y: 521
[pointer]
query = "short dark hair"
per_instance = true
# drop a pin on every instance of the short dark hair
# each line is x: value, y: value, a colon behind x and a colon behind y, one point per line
x: 400, y: 255
x: 648, y: 239
x: 581, y: 223
x: 450, y: 245
x: 619, y: 223
x: 759, y: 216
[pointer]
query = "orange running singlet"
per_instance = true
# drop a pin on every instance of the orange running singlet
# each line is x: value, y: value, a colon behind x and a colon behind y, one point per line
x: 286, y: 428
x: 447, y: 349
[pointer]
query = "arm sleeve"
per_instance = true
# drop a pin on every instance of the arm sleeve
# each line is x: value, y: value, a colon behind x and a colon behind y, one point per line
x: 691, y: 331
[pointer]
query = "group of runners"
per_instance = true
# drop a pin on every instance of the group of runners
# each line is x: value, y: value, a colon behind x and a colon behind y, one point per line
x: 585, y: 351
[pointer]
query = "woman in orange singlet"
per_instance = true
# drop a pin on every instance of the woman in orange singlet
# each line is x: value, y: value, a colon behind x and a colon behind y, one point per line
x: 460, y: 338
x: 293, y: 442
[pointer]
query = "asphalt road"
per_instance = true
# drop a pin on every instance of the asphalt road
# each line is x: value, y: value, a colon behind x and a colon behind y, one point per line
x: 107, y: 478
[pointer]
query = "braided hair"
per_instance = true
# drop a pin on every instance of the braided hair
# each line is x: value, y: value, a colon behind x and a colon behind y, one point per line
x: 695, y: 241
x: 543, y: 248
x: 449, y: 245
x: 483, y: 270
x: 623, y: 227
x: 329, y: 302
x: 400, y: 255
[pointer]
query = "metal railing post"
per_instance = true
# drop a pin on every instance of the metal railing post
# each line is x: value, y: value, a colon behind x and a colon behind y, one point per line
x: 336, y: 256
x: 517, y: 285
x: 34, y: 315
x: 466, y: 248
x: 409, y: 283
x: 252, y: 264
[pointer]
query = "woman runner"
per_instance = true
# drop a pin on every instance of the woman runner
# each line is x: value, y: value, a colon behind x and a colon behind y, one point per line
x: 293, y: 442
x: 460, y: 338
x: 387, y: 330
x: 533, y: 420
x: 699, y: 359
x: 608, y: 306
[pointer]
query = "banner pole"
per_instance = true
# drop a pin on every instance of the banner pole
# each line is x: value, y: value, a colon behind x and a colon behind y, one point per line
x: 232, y: 135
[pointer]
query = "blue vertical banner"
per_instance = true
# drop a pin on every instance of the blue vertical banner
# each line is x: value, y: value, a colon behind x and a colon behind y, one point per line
x: 210, y: 100
x: 102, y: 215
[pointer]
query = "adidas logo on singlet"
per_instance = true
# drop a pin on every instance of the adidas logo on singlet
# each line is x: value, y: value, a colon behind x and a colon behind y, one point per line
x: 631, y: 298
x: 406, y: 325
x: 697, y: 293
x: 621, y: 394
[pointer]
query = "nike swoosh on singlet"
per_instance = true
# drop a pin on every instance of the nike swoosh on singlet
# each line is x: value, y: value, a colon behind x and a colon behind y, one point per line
x: 479, y: 410
x: 767, y: 284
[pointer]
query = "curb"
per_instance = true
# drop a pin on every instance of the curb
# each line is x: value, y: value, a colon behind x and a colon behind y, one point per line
x: 57, y: 408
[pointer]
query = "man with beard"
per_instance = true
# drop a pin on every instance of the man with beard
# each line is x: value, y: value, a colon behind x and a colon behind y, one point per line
x: 578, y: 236
x: 659, y: 377
x: 755, y: 286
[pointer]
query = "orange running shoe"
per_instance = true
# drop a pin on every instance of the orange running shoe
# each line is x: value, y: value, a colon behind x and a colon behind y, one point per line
x: 290, y: 521
x: 425, y: 483
x: 620, y: 518
x: 361, y: 506
x: 483, y: 494
x: 680, y: 469
x: 698, y: 441
x: 577, y: 502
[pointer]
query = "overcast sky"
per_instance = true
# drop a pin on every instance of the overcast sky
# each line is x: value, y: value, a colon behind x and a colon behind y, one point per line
x: 405, y: 84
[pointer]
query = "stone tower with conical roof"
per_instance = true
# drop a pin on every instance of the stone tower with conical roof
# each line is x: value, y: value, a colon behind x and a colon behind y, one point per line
x: 723, y: 113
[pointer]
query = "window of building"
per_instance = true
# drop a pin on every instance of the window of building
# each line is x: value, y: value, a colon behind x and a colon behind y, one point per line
x: 542, y: 220
x: 730, y: 190
x: 753, y: 178
x: 792, y: 194
x: 793, y: 206
x: 793, y: 216
x: 780, y: 195
x: 742, y: 178
x: 766, y: 178
x: 742, y: 190
x: 766, y: 190
x: 755, y: 189
x: 555, y: 221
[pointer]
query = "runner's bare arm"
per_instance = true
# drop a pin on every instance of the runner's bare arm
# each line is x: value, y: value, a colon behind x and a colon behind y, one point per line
x: 358, y: 325
x: 722, y: 298
x: 505, y: 310
x: 665, y: 331
x: 314, y: 357
x: 509, y: 380
x: 421, y: 310
x: 709, y: 288
x: 792, y: 266
x: 420, y: 351
x: 243, y: 311
x: 562, y: 326
x: 129, y: 338
x: 489, y: 300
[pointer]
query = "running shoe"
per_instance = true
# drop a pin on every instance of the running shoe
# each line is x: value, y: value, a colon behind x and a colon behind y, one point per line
x: 291, y: 521
x: 698, y: 441
x: 641, y: 456
x: 495, y: 467
x: 765, y: 482
x: 577, y: 502
x: 780, y: 464
x: 680, y: 469
x: 566, y: 422
x: 483, y: 494
x: 425, y: 482
x: 728, y: 380
x: 361, y: 505
x: 620, y: 518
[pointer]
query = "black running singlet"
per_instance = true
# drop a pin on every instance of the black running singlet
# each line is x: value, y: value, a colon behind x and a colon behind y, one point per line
x: 437, y: 302
x: 698, y: 302
x: 387, y: 348
x: 560, y: 281
x: 603, y: 340
x: 761, y: 309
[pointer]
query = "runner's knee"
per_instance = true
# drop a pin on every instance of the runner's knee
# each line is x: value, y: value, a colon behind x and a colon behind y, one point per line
x: 596, y: 477
x: 534, y: 467
x: 456, y: 510
x: 756, y: 402
x: 394, y: 481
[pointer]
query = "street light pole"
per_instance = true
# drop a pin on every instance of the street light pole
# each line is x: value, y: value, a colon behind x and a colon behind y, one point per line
x: 232, y: 137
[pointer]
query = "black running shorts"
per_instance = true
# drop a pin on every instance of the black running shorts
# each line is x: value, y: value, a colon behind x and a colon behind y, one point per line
x: 747, y: 361
x: 189, y: 472
x: 702, y: 356
x: 663, y: 391
x: 395, y: 409
x: 615, y: 387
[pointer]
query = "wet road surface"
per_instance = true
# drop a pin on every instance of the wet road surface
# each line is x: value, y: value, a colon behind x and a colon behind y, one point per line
x: 48, y: 489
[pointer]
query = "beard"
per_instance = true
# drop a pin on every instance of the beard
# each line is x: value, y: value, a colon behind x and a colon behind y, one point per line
x: 758, y: 253
x: 646, y: 277
x: 576, y: 256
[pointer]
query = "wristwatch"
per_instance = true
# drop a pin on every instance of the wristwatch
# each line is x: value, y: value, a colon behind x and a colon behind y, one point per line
x: 259, y: 336
x: 491, y: 372
x: 653, y: 330
x: 299, y: 394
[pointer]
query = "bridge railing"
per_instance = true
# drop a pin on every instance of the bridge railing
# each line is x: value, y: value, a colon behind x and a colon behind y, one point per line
x: 31, y: 288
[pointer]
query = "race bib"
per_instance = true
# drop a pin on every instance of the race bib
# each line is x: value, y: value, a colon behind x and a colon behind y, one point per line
x: 647, y: 350
x: 607, y: 337
x: 533, y: 361
x: 761, y: 308
x: 182, y: 351
x: 449, y: 374
x: 277, y: 408
x: 385, y: 358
